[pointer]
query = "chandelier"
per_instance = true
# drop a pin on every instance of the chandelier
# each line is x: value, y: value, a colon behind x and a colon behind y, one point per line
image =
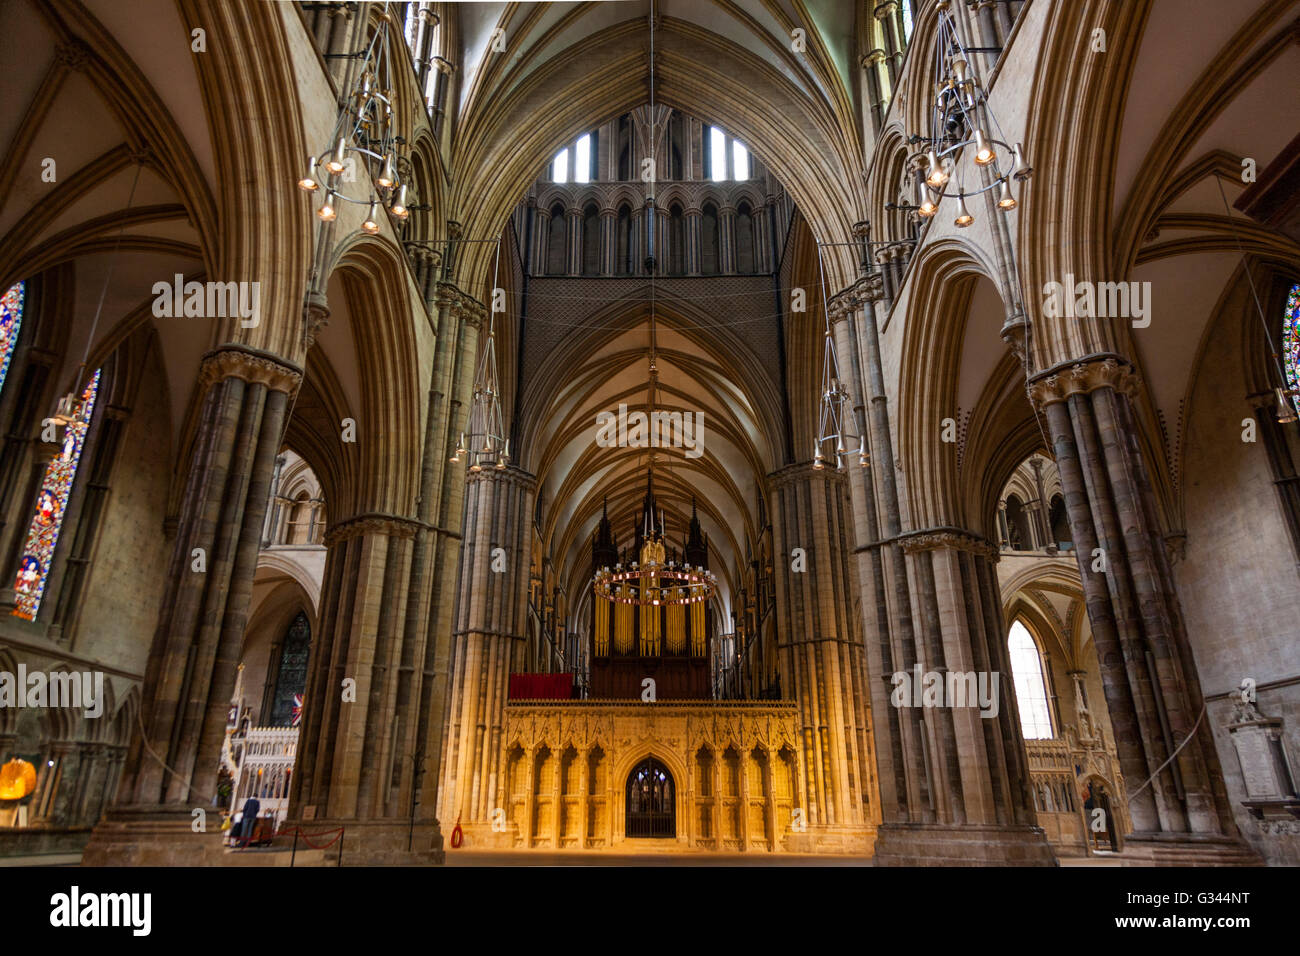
x: 485, y: 439
x: 831, y: 420
x: 960, y: 117
x: 652, y: 581
x: 363, y: 136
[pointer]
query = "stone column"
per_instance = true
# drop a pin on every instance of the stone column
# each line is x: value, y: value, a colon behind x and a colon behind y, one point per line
x: 491, y: 618
x: 745, y: 756
x: 727, y: 240
x: 542, y: 240
x: 195, y: 653
x: 445, y: 491
x: 953, y: 785
x: 608, y: 241
x: 822, y: 652
x: 270, y: 526
x: 887, y: 12
x: 1147, y: 670
x: 530, y: 790
x: 769, y: 801
x: 574, y: 232
x: 694, y: 228
x: 584, y: 783
x: 355, y: 748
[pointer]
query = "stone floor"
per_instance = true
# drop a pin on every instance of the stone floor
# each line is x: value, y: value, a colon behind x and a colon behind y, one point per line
x: 581, y: 858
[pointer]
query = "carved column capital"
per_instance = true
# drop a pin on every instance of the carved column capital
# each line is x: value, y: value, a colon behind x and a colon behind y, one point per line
x: 948, y: 539
x: 1082, y: 376
x: 392, y: 526
x: 860, y: 294
x: 801, y: 472
x: 316, y: 314
x: 472, y: 312
x: 509, y: 475
x: 251, y: 365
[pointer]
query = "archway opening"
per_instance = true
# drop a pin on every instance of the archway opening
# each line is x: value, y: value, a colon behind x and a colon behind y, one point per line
x: 651, y: 811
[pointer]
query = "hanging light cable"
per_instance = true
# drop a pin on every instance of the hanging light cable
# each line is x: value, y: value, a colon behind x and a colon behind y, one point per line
x: 365, y: 135
x: 69, y: 408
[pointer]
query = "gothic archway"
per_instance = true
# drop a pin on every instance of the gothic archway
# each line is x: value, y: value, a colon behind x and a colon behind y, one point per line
x: 650, y: 801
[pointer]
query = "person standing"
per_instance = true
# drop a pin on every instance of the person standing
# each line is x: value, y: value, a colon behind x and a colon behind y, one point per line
x: 251, y: 807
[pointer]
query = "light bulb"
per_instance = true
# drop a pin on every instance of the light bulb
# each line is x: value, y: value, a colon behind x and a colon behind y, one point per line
x: 1006, y: 201
x: 339, y: 160
x: 984, y: 153
x: 371, y: 225
x: 398, y: 208
x: 937, y: 175
x: 308, y: 182
x: 1020, y: 169
x: 1285, y: 409
x: 964, y: 218
x: 387, y: 175
x: 327, y: 211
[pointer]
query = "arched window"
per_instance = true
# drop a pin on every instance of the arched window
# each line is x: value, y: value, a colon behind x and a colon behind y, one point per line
x: 1291, y: 342
x: 709, y: 240
x: 1031, y: 688
x: 624, y: 145
x: 51, y: 504
x: 291, y: 675
x: 623, y: 239
x: 739, y: 160
x: 744, y: 239
x: 717, y: 155
x: 560, y: 167
x: 582, y: 160
x: 556, y: 243
x: 591, y: 241
x: 11, y: 320
x: 1018, y: 533
x: 1060, y: 523
x: 676, y: 140
x: 676, y: 241
x: 300, y: 520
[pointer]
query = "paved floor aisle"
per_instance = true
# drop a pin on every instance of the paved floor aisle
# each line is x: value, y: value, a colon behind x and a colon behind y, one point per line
x: 580, y: 858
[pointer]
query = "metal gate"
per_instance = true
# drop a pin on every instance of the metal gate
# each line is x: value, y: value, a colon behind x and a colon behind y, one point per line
x: 650, y: 801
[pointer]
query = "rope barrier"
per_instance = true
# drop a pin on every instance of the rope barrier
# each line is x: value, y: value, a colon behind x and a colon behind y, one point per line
x: 306, y: 838
x: 1190, y: 735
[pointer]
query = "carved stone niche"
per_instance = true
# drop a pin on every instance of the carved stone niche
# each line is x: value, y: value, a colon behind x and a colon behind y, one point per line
x: 1270, y: 791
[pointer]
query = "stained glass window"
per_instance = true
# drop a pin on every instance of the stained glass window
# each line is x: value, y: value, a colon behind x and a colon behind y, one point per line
x: 286, y: 703
x: 43, y: 535
x: 1291, y: 342
x: 1031, y: 690
x: 11, y: 319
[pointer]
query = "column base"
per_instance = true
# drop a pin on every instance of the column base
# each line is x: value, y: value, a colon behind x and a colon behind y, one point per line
x: 163, y: 836
x: 373, y: 842
x: 153, y: 836
x: 831, y: 840
x: 1186, y: 849
x: 928, y: 844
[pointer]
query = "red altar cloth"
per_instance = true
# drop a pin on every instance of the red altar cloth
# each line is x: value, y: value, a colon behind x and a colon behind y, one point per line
x: 541, y: 686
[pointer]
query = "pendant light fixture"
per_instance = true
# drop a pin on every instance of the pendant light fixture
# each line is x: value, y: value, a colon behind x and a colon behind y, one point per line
x: 831, y: 418
x: 364, y: 140
x: 962, y: 123
x: 484, y: 440
x: 71, y: 406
